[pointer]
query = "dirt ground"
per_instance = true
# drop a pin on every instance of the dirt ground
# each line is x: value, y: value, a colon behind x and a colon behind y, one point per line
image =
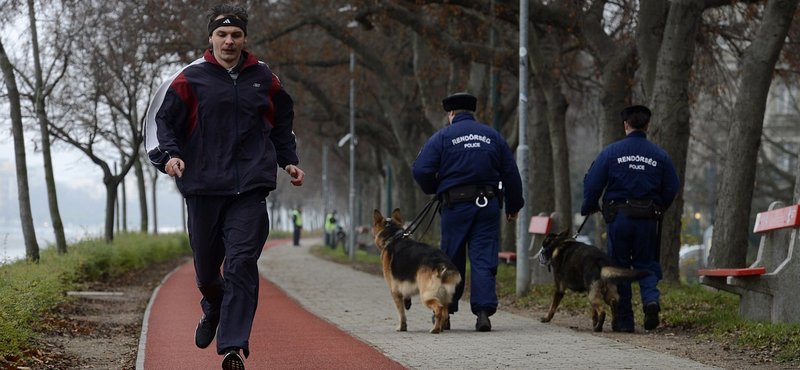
x: 103, y: 333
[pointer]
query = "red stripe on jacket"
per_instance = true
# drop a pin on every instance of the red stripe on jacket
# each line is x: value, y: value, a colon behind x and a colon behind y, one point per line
x: 181, y: 86
x: 269, y: 115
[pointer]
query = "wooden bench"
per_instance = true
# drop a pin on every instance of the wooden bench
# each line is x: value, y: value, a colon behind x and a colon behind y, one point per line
x: 768, y: 287
x: 507, y: 257
x: 539, y: 225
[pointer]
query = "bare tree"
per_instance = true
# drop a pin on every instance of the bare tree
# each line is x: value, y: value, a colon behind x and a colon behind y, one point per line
x: 731, y: 224
x: 40, y: 92
x: 25, y: 215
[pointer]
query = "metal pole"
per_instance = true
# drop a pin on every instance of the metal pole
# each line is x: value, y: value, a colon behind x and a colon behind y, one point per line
x: 351, y: 237
x: 523, y: 239
x: 326, y: 207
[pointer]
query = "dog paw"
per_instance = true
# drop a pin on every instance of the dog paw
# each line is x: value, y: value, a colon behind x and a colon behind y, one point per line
x: 402, y: 327
x: 545, y: 319
x: 407, y: 303
x: 435, y: 330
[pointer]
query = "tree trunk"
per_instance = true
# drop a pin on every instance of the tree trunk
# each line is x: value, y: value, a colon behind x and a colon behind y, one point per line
x: 649, y: 34
x: 39, y: 97
x: 155, y: 206
x: 137, y: 165
x: 25, y: 214
x: 670, y: 127
x: 541, y: 164
x: 111, y: 183
x: 731, y: 223
x: 544, y: 62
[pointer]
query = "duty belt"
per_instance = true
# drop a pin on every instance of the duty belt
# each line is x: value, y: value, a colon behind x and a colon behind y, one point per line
x: 633, y: 209
x: 480, y: 194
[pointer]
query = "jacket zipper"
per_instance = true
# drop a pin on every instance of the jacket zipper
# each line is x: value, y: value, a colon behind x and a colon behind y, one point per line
x: 234, y: 76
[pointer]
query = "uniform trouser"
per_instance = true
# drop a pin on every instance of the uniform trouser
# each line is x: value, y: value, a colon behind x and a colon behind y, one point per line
x: 296, y: 239
x: 467, y: 228
x: 632, y: 243
x: 232, y: 229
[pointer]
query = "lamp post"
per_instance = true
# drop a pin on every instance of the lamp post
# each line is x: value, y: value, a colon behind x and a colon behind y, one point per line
x: 523, y: 262
x: 351, y: 239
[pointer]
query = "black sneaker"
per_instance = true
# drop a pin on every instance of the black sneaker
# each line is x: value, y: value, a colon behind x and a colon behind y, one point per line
x: 205, y: 332
x: 651, y: 311
x: 483, y: 324
x: 232, y: 360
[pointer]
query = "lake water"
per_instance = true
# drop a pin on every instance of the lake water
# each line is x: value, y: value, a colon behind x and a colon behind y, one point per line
x: 12, y: 243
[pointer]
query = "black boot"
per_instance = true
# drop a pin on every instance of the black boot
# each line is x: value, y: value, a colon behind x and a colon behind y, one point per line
x: 483, y: 324
x: 651, y: 311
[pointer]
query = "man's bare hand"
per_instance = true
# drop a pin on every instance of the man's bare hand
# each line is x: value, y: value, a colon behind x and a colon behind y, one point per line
x: 297, y: 174
x: 175, y: 167
x: 512, y: 217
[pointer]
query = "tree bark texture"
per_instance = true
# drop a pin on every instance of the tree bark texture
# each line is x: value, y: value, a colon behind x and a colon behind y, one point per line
x: 41, y: 115
x: 670, y: 124
x: 649, y: 33
x: 731, y: 224
x: 137, y: 166
x: 545, y: 50
x: 25, y: 214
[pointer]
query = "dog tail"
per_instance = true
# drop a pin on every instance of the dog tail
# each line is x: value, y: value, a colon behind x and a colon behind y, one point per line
x: 449, y: 275
x: 616, y: 275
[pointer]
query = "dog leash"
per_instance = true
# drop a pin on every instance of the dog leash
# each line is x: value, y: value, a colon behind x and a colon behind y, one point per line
x: 581, y: 227
x: 412, y: 227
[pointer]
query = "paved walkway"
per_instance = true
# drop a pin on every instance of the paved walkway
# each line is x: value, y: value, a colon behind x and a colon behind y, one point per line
x: 359, y: 304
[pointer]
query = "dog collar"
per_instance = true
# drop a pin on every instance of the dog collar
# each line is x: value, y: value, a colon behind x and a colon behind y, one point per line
x: 398, y: 235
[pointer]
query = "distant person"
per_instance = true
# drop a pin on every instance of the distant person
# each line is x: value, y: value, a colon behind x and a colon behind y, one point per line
x: 223, y: 144
x: 638, y: 183
x: 331, y: 224
x: 469, y: 166
x: 297, y: 220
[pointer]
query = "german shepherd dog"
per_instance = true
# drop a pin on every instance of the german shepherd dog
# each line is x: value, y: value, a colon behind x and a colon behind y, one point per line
x: 412, y: 268
x: 581, y: 267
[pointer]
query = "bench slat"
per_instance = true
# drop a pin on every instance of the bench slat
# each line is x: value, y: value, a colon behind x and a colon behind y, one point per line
x: 733, y: 272
x: 776, y: 219
x: 507, y: 255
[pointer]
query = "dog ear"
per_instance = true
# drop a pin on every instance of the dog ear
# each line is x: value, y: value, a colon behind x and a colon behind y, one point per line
x: 565, y: 232
x: 396, y: 216
x: 379, y: 220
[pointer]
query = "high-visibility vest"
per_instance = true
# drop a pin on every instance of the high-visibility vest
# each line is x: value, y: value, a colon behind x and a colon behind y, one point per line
x: 298, y: 218
x: 330, y: 222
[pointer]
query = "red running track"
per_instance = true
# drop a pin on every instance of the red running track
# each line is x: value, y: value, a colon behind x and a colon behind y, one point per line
x: 284, y: 336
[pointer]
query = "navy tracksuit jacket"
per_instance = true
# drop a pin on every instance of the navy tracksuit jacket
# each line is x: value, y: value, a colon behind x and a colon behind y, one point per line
x: 233, y: 131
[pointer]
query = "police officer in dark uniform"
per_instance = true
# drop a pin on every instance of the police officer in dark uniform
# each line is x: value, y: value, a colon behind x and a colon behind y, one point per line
x: 469, y: 166
x: 640, y: 183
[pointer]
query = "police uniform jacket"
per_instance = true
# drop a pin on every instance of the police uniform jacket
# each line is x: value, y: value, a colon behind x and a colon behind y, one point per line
x: 632, y: 168
x: 468, y: 152
x: 231, y: 130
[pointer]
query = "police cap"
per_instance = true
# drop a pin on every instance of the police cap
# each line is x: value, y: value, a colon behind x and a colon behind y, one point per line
x: 633, y: 109
x: 460, y: 101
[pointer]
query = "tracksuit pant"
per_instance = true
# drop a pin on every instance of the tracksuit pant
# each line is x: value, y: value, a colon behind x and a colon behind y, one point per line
x: 229, y: 232
x: 471, y: 230
x: 632, y: 243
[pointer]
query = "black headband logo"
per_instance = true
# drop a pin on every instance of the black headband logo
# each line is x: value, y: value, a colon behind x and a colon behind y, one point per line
x: 225, y: 22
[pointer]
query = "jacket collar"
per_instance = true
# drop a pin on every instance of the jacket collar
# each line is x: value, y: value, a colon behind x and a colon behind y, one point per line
x: 463, y: 116
x: 640, y: 134
x: 249, y: 59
